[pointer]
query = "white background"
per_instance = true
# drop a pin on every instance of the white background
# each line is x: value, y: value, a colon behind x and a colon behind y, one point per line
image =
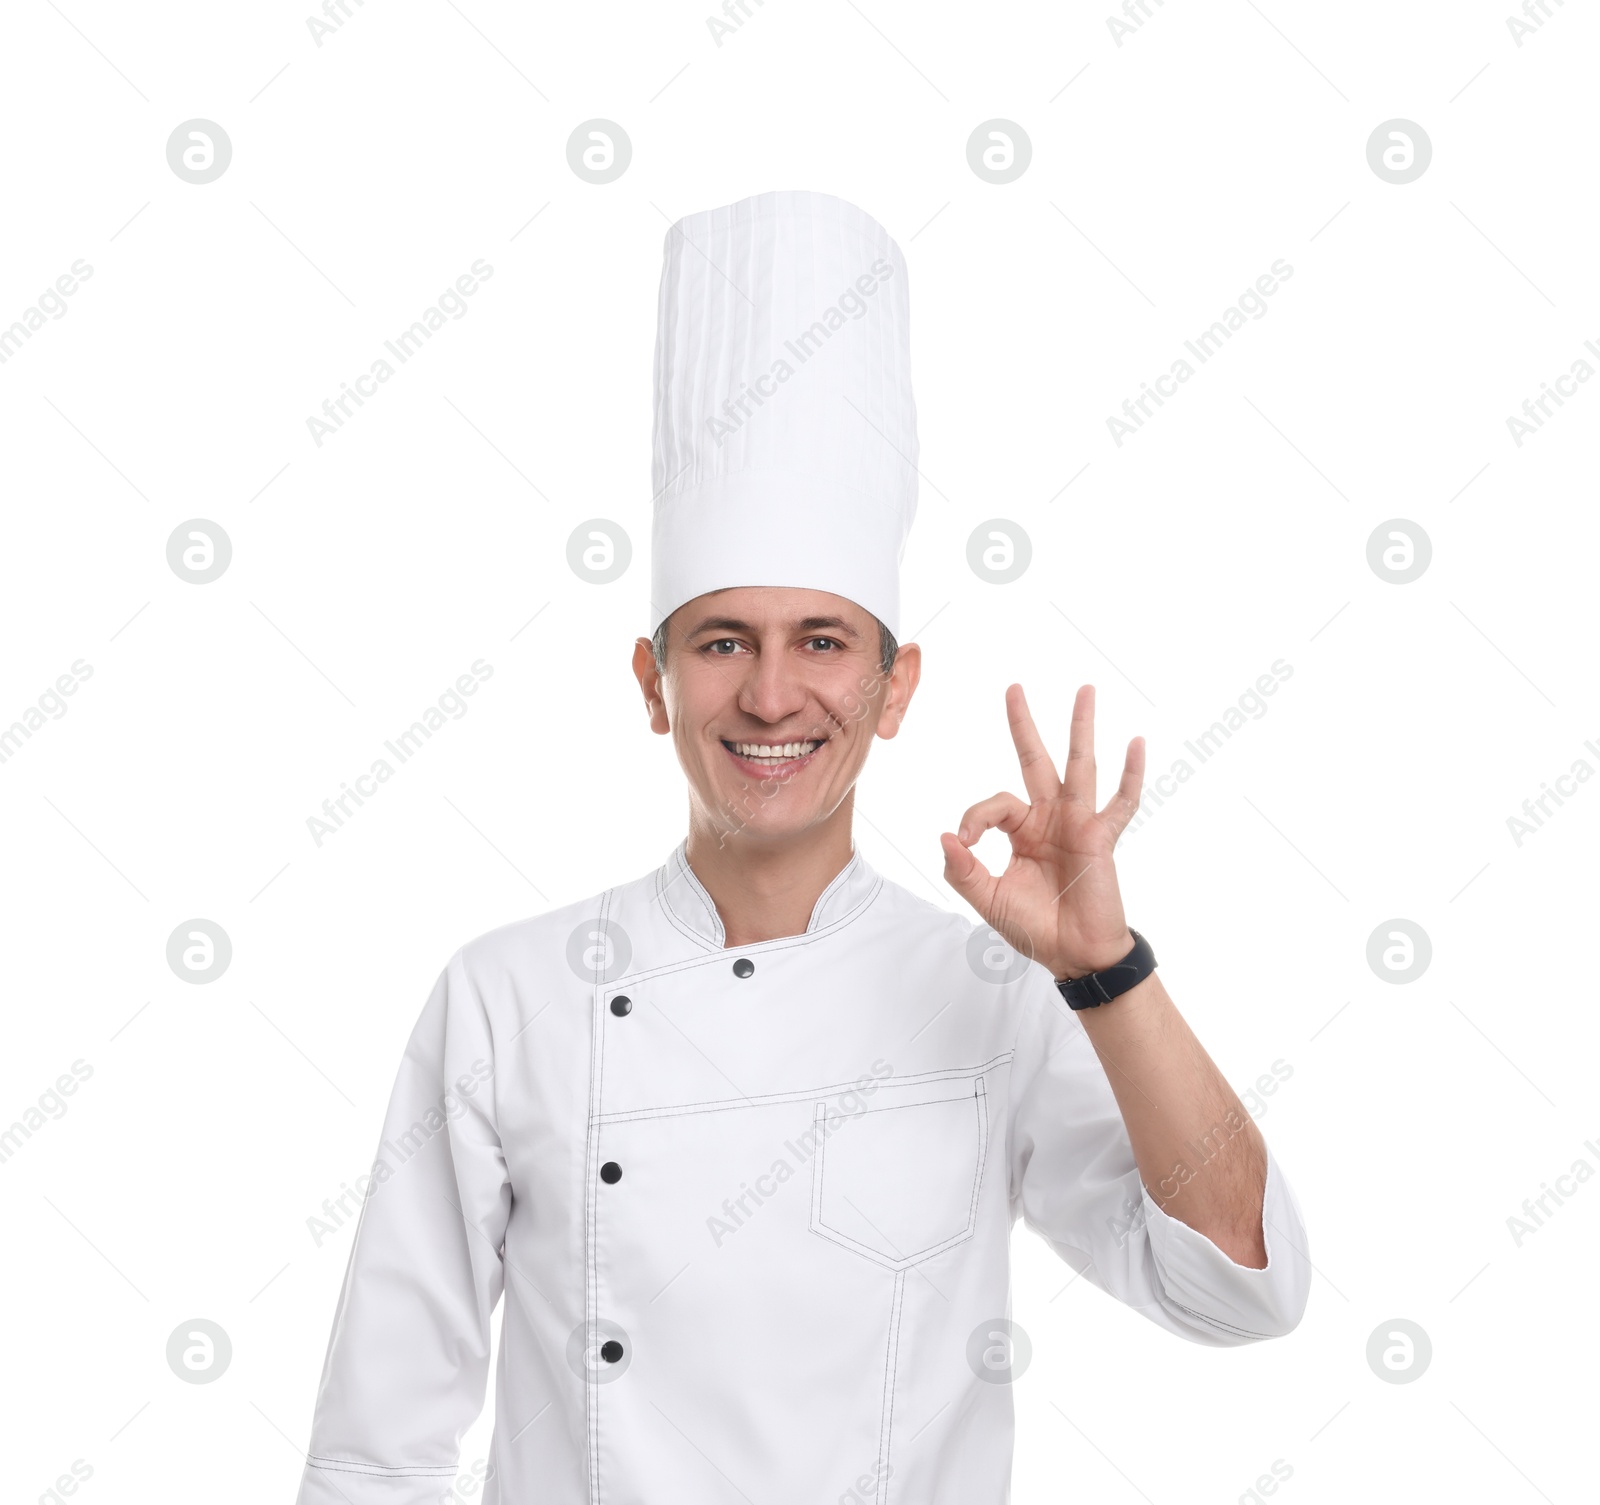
x: 430, y: 531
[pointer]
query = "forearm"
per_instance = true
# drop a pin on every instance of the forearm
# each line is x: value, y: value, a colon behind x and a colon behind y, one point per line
x: 1201, y: 1158
x: 1199, y: 1153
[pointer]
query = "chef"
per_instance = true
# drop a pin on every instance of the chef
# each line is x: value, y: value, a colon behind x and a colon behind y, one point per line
x: 742, y: 1141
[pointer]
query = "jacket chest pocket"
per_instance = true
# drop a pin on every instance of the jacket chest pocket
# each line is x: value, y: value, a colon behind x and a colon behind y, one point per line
x: 898, y: 1183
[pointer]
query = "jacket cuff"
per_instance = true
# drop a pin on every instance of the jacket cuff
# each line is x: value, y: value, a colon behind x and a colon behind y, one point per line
x: 340, y: 1481
x: 1237, y: 1303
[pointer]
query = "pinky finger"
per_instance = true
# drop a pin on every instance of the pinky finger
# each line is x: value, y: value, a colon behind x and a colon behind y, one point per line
x: 1124, y: 804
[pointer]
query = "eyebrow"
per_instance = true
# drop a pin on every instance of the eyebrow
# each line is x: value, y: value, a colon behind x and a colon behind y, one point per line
x: 805, y: 624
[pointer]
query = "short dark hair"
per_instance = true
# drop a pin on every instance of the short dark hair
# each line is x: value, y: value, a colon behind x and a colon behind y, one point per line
x: 887, y: 647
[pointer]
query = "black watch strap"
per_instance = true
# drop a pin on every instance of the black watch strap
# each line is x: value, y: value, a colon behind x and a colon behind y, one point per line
x: 1095, y: 988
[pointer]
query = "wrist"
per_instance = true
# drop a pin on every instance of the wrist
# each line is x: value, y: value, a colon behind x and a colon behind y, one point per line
x: 1065, y: 968
x: 1112, y: 980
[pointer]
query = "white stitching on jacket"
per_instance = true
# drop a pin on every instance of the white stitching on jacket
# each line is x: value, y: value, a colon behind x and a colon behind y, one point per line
x: 380, y: 1470
x: 721, y: 1104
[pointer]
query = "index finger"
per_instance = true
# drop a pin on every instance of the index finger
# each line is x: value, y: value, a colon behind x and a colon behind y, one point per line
x: 1038, y: 772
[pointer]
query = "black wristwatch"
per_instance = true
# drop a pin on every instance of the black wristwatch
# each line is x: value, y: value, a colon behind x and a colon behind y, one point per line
x: 1095, y: 988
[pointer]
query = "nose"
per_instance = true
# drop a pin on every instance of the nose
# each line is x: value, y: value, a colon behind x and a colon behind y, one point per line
x: 772, y: 689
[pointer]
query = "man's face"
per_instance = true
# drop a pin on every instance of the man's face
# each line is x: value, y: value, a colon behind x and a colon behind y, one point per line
x: 772, y: 696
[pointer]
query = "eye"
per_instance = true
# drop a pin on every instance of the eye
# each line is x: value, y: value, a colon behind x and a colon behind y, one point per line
x: 834, y: 642
x: 718, y: 644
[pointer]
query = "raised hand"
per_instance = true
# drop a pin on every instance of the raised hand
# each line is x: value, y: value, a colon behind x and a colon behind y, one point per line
x: 1057, y: 901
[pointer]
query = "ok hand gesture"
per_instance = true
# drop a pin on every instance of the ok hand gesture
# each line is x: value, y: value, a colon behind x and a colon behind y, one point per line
x: 1057, y: 901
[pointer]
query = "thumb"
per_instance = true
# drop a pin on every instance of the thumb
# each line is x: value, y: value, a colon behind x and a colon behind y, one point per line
x: 966, y: 874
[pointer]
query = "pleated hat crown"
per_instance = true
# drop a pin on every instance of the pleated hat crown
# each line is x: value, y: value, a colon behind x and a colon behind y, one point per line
x: 785, y: 435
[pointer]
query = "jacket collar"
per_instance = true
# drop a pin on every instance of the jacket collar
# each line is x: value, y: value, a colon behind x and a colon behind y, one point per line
x: 688, y: 905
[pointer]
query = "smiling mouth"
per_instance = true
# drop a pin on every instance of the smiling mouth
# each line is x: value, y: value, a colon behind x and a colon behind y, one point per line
x: 767, y: 756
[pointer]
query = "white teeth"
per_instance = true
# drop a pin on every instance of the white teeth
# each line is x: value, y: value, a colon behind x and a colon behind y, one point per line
x: 780, y: 750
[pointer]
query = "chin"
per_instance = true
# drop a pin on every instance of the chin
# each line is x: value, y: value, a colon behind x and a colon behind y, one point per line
x: 772, y: 817
x: 766, y: 824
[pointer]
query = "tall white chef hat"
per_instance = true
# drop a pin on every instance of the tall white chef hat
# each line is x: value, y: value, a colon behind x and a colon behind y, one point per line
x: 785, y: 445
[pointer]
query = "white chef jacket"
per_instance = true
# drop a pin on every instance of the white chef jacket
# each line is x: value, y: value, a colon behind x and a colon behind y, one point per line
x: 750, y: 1209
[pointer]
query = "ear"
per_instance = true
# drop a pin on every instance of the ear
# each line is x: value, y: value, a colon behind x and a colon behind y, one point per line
x: 901, y: 687
x: 644, y: 670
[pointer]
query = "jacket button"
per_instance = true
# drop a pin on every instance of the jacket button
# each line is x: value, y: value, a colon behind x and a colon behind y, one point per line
x: 621, y: 1005
x: 611, y: 1172
x: 611, y: 1352
x: 743, y: 967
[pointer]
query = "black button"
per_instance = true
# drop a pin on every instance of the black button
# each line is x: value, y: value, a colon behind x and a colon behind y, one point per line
x: 621, y: 1005
x: 611, y: 1352
x: 611, y: 1173
x: 743, y: 967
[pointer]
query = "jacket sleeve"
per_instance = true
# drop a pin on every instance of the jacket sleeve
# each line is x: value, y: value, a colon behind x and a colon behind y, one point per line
x: 409, y: 1356
x: 1074, y: 1181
